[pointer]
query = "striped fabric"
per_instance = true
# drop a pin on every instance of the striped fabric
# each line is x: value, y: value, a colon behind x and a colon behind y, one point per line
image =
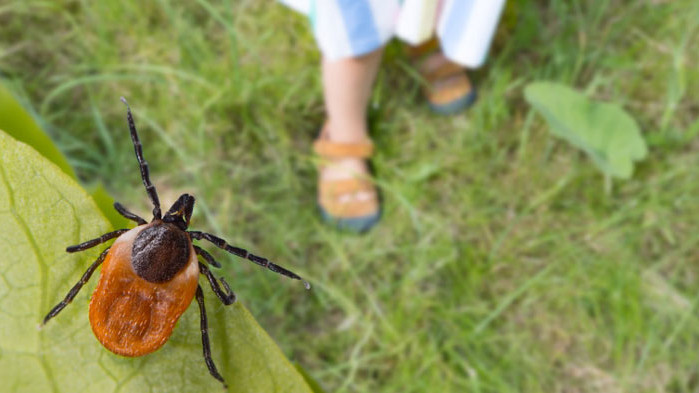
x: 349, y: 28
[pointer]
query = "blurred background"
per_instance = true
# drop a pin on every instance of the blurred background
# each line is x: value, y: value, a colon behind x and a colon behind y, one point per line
x: 502, y: 264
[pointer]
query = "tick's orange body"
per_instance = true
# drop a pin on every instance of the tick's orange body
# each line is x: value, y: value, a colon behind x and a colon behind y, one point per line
x: 150, y: 275
x: 131, y: 316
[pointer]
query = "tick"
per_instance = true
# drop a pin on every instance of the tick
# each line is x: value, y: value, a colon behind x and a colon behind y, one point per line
x: 150, y: 274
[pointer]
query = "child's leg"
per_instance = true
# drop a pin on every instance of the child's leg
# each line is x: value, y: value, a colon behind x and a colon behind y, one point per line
x: 347, y: 86
x: 346, y: 196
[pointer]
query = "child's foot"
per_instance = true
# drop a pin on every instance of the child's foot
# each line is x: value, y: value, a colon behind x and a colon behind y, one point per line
x: 448, y: 89
x: 347, y: 198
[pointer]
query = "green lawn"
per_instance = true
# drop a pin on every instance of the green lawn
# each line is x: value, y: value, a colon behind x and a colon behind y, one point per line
x: 501, y: 265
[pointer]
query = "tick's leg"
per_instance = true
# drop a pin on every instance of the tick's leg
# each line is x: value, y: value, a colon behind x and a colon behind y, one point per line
x: 209, y: 259
x: 150, y: 188
x: 205, y: 339
x: 94, y: 242
x: 122, y: 210
x: 74, y: 291
x: 227, y: 296
x: 245, y: 254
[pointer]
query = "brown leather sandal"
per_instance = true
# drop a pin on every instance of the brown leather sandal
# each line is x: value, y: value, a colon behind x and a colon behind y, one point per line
x: 352, y: 203
x: 448, y: 89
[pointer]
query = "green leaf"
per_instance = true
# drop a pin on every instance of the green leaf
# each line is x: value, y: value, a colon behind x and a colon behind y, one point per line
x: 43, y: 210
x: 608, y: 134
x: 314, y: 385
x: 17, y: 122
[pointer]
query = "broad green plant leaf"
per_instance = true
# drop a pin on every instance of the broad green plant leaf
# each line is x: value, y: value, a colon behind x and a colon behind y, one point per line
x: 17, y: 122
x: 42, y: 211
x: 604, y: 131
x: 314, y: 385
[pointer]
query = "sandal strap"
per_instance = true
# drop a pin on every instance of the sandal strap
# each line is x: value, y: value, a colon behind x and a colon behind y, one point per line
x: 442, y: 71
x: 330, y: 192
x: 328, y: 149
x: 351, y: 210
x: 448, y: 89
x: 421, y: 56
x: 333, y: 188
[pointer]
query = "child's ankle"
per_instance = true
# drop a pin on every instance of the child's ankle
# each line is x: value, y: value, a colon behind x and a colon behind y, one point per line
x: 346, y: 131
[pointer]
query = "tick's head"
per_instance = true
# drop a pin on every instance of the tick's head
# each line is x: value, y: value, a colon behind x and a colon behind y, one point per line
x: 180, y: 212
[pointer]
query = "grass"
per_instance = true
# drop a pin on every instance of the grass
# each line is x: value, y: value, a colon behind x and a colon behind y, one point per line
x: 500, y: 265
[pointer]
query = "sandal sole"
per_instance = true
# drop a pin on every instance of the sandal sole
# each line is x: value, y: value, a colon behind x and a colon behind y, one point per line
x: 354, y: 224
